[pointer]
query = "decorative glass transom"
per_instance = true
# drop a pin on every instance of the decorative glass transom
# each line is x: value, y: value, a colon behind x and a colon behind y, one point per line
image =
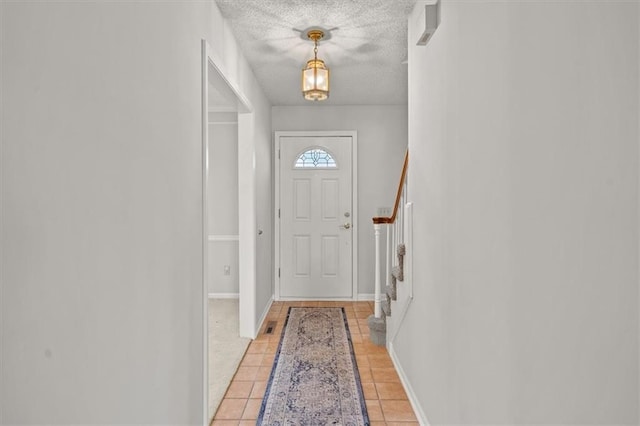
x: 315, y: 158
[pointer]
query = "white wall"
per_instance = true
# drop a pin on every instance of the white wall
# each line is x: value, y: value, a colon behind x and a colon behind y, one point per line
x: 102, y: 231
x: 382, y: 142
x: 523, y: 133
x: 255, y: 154
x: 264, y: 218
x: 222, y: 207
x: 223, y: 178
x: 223, y: 253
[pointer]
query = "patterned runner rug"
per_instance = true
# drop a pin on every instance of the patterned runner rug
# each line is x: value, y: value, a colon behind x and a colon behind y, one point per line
x: 314, y: 380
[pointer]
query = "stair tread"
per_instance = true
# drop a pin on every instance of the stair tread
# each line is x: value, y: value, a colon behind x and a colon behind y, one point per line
x: 391, y: 291
x: 378, y: 330
x: 386, y: 307
x: 398, y: 273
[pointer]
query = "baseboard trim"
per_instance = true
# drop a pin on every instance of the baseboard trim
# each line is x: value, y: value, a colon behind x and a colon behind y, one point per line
x: 217, y: 238
x: 316, y: 299
x: 263, y: 317
x: 417, y: 409
x: 224, y: 295
x: 366, y: 297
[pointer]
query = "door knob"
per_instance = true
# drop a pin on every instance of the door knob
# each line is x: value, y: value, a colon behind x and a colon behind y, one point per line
x: 346, y: 226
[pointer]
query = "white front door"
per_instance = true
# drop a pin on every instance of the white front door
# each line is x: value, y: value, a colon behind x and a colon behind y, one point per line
x: 316, y: 217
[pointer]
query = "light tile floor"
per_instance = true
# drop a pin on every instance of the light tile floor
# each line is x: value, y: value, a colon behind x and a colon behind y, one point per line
x: 386, y: 400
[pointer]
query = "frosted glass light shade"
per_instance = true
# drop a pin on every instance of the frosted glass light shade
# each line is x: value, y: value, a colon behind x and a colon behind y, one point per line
x: 315, y: 80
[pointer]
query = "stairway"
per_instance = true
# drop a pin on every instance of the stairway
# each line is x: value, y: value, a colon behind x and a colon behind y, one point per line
x: 396, y: 231
x: 378, y: 326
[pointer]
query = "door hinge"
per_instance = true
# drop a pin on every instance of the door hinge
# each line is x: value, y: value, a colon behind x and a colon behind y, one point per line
x: 278, y: 272
x: 278, y: 213
x: 278, y: 154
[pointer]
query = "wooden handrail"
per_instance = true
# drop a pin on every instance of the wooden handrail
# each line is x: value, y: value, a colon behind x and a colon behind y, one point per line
x: 391, y: 219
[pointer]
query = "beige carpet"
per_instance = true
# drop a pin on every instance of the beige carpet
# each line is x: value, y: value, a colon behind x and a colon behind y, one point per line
x: 225, y: 348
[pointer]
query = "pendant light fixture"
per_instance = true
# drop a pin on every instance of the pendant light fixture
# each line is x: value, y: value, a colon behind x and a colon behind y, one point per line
x: 315, y: 76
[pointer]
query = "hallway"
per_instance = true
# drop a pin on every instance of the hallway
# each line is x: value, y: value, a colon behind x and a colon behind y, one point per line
x: 387, y: 402
x: 522, y: 120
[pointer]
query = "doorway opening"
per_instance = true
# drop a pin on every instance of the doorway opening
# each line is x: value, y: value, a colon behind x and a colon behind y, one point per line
x: 226, y: 300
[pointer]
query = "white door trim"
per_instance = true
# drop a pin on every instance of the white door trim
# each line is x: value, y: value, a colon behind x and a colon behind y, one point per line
x: 354, y: 201
x: 205, y: 231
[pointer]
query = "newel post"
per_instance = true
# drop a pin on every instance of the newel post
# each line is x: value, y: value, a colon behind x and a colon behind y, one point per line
x: 378, y: 308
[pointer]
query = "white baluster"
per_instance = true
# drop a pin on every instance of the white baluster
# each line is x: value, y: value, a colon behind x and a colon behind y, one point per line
x: 401, y: 217
x: 378, y: 308
x: 387, y: 266
x: 395, y: 242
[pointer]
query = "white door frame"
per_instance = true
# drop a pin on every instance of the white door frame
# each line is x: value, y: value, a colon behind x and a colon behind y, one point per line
x: 354, y: 202
x: 247, y: 283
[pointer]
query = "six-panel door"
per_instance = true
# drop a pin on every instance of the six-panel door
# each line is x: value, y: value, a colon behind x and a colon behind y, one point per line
x: 315, y: 217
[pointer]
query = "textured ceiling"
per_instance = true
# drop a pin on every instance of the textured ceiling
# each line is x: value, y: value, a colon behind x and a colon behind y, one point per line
x: 365, y: 52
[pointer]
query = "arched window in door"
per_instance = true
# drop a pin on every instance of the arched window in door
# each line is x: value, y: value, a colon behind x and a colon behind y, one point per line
x: 315, y: 158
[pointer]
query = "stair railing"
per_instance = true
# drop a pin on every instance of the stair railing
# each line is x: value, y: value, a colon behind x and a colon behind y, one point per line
x: 394, y: 229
